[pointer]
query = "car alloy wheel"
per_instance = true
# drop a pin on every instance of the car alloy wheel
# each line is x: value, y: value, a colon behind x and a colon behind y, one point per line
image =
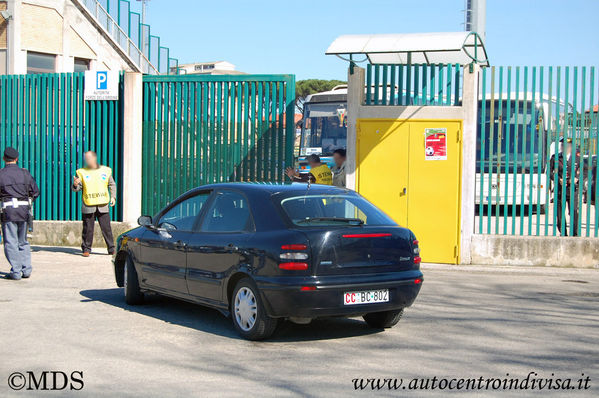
x: 246, y: 309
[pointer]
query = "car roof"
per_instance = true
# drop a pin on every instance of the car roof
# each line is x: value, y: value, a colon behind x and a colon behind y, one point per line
x: 273, y: 188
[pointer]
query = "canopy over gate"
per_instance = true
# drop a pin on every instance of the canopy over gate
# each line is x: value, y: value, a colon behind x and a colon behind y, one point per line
x: 414, y: 48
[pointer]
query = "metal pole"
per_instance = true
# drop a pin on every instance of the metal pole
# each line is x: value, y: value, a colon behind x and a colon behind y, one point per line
x: 475, y: 17
x: 143, y: 11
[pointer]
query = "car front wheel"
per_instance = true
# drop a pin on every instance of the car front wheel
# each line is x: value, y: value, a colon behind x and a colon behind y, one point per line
x: 133, y: 294
x: 249, y: 317
x: 384, y: 319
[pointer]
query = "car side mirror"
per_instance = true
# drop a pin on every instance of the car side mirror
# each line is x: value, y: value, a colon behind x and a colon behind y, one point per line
x: 144, y: 221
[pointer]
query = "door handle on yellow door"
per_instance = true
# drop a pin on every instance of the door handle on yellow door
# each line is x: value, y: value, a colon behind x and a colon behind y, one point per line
x: 404, y: 191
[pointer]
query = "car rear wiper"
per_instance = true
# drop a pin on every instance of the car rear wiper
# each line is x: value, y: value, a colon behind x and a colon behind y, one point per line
x: 352, y: 221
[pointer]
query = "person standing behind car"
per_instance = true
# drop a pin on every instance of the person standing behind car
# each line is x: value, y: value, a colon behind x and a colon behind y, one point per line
x: 560, y: 170
x: 319, y: 172
x: 99, y: 190
x: 17, y: 188
x: 339, y: 155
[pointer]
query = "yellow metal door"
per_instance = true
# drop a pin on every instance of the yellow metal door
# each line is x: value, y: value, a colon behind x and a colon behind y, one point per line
x: 382, y: 159
x: 420, y: 192
x: 434, y: 192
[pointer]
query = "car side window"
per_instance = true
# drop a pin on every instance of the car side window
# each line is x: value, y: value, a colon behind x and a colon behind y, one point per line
x: 183, y: 215
x: 229, y: 212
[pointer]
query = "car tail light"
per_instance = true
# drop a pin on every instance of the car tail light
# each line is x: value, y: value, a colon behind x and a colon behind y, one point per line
x: 294, y: 256
x: 417, y: 260
x: 418, y: 281
x: 307, y: 288
x: 379, y: 235
x: 293, y: 266
x: 294, y: 247
x: 416, y: 249
x: 291, y: 256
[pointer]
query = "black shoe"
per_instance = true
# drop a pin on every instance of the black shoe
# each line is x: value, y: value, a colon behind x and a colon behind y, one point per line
x: 11, y: 277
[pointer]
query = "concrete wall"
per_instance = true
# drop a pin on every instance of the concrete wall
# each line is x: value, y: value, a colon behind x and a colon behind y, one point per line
x: 535, y: 251
x: 68, y: 233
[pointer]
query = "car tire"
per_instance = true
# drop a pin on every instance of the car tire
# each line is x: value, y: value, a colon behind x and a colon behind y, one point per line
x: 383, y: 320
x: 248, y: 313
x: 133, y: 294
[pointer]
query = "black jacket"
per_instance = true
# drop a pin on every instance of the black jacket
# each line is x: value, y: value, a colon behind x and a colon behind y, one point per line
x: 17, y: 183
x: 558, y: 168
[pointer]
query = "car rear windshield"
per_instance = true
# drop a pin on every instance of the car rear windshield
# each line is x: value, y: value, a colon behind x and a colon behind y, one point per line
x: 320, y: 210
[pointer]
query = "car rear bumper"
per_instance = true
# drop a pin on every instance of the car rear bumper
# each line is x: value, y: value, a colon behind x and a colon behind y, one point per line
x: 283, y: 297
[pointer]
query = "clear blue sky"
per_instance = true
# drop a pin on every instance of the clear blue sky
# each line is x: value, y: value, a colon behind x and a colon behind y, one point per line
x: 268, y: 36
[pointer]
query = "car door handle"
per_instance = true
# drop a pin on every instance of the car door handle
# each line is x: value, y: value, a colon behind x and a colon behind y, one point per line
x: 180, y: 244
x: 232, y: 247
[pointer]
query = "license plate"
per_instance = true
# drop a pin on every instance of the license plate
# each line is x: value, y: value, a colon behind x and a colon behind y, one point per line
x: 366, y: 297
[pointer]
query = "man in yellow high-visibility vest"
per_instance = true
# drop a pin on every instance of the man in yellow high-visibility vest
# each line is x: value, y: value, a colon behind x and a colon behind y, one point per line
x: 99, y: 191
x: 319, y: 173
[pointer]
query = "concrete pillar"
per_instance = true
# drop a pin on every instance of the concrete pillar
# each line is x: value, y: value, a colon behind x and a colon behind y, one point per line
x: 470, y: 108
x: 355, y: 98
x: 64, y: 62
x: 17, y: 59
x: 132, y: 146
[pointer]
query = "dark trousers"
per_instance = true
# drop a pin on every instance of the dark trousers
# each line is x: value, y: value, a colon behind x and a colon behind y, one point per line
x: 88, y: 230
x: 573, y: 213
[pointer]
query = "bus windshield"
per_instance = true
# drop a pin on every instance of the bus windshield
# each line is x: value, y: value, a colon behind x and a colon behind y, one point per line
x: 517, y: 133
x: 324, y: 128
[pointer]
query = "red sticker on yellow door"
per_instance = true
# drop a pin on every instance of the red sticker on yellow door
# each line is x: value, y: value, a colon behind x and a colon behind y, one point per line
x: 435, y: 144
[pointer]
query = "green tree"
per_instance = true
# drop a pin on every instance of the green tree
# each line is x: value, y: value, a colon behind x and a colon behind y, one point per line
x: 303, y: 88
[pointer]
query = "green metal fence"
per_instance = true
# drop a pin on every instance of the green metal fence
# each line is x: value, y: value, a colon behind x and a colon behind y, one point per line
x: 438, y: 85
x: 524, y: 114
x: 46, y: 118
x: 206, y: 129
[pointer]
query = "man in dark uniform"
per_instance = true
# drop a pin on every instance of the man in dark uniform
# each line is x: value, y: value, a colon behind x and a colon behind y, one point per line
x: 564, y: 181
x: 17, y: 187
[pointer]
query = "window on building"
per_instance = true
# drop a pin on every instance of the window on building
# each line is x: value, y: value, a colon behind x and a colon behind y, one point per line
x: 81, y: 65
x: 40, y: 63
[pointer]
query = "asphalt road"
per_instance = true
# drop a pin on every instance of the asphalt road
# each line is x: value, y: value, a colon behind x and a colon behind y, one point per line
x: 468, y: 322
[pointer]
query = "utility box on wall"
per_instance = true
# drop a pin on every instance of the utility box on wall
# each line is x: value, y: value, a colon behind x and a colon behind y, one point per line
x: 411, y: 169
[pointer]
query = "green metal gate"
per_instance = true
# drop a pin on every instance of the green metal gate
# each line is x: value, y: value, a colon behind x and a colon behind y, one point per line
x: 46, y: 118
x: 524, y: 114
x: 207, y: 129
x: 437, y: 84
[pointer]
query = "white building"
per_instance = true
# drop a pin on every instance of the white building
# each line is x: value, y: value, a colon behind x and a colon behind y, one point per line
x: 48, y: 36
x: 207, y: 68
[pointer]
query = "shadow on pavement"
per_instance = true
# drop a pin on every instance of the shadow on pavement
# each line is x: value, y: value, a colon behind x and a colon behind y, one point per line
x: 56, y: 249
x: 67, y: 250
x: 209, y: 320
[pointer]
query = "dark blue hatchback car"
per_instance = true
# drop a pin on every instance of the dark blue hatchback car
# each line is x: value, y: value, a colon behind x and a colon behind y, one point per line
x: 262, y: 253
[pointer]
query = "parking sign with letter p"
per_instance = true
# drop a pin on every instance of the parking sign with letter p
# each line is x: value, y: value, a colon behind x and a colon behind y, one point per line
x: 101, y: 85
x: 101, y: 80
